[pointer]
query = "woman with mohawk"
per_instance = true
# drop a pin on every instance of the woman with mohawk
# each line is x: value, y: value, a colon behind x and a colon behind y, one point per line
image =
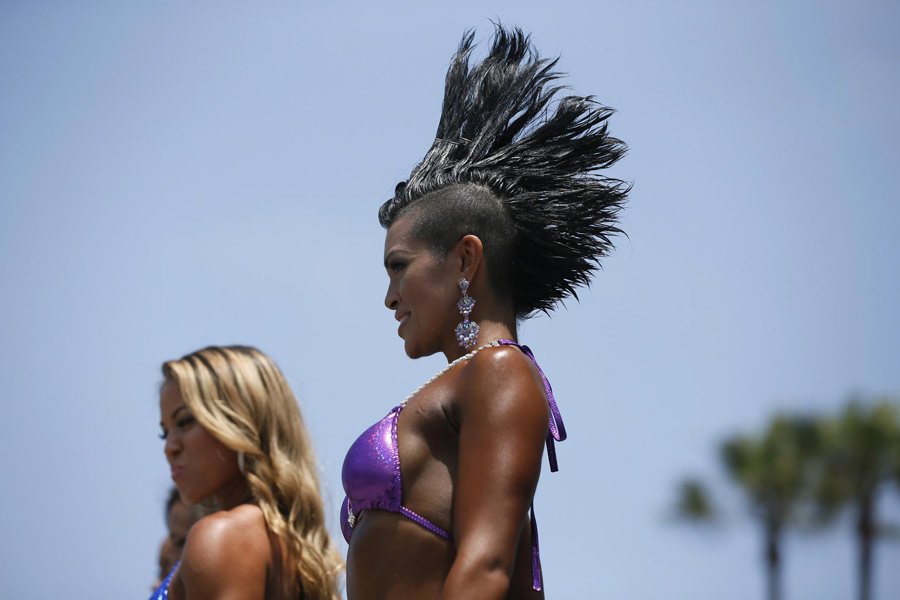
x: 503, y: 218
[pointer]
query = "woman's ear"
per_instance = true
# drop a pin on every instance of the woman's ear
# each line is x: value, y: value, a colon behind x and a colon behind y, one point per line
x: 470, y: 253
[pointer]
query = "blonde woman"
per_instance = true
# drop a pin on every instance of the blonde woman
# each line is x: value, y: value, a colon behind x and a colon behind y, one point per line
x: 236, y: 444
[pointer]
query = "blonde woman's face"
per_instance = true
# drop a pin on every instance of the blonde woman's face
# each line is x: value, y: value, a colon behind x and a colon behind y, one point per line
x: 202, y: 467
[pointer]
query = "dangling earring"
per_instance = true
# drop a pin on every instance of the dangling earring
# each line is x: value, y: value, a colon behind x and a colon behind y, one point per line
x: 241, y: 465
x: 467, y: 331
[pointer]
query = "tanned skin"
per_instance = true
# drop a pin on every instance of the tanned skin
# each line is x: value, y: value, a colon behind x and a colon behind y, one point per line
x: 227, y: 554
x: 470, y: 443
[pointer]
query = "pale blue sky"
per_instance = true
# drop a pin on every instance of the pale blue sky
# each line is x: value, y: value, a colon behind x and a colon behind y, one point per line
x: 174, y: 175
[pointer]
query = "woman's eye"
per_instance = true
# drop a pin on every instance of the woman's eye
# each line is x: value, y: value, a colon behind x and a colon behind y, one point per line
x: 396, y: 266
x: 181, y: 424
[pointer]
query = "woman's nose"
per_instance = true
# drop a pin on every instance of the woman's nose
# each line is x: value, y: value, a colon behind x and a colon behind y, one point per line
x: 172, y: 447
x: 390, y: 299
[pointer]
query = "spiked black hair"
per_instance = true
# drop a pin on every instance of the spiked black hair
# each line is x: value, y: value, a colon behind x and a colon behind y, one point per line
x: 519, y: 176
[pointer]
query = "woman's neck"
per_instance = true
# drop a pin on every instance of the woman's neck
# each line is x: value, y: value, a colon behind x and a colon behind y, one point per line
x: 234, y: 494
x: 488, y: 331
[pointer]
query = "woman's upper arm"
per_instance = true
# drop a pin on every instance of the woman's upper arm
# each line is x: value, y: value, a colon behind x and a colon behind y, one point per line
x: 220, y: 562
x: 503, y: 420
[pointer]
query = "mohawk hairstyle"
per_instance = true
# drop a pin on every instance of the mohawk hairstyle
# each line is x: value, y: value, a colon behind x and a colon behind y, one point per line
x: 503, y: 129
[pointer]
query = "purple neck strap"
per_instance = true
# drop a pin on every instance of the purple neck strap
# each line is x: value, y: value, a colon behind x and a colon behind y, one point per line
x: 557, y: 428
x: 557, y: 433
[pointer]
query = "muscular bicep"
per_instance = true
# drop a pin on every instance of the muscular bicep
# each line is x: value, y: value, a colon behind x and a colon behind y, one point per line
x: 503, y: 424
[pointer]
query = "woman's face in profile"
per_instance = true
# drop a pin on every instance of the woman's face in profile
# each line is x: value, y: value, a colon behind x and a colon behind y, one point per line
x: 201, y: 465
x: 422, y: 291
x: 180, y: 519
x: 169, y: 554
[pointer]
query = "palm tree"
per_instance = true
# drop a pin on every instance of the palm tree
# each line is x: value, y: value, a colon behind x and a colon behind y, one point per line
x: 862, y: 454
x: 775, y: 471
x: 694, y: 502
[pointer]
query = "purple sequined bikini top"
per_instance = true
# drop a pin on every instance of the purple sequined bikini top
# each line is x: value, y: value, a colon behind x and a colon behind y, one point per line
x: 371, y: 472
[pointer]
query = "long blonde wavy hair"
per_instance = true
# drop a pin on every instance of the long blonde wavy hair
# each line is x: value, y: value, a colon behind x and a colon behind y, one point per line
x: 240, y: 396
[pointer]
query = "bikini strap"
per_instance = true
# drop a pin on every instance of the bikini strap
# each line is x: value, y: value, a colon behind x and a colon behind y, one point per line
x: 557, y: 433
x: 536, y: 575
x: 557, y: 427
x: 414, y: 516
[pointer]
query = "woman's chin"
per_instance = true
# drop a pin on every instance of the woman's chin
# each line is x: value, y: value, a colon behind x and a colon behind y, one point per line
x: 414, y: 350
x: 411, y: 350
x: 190, y: 498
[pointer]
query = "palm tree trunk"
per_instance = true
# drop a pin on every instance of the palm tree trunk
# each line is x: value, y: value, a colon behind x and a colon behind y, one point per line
x: 773, y: 561
x: 865, y: 529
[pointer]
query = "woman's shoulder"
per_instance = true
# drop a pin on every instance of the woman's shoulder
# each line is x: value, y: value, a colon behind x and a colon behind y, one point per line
x: 228, y: 548
x: 503, y: 379
x: 244, y: 524
x: 507, y: 363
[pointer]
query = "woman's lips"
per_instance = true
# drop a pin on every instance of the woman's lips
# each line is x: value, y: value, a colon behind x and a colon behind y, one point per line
x: 403, y: 319
x: 176, y: 471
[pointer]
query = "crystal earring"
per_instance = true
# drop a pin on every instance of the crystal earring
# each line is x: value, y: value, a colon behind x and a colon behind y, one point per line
x: 467, y: 331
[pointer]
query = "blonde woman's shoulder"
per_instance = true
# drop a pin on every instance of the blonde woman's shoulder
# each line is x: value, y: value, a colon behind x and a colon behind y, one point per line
x: 226, y: 555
